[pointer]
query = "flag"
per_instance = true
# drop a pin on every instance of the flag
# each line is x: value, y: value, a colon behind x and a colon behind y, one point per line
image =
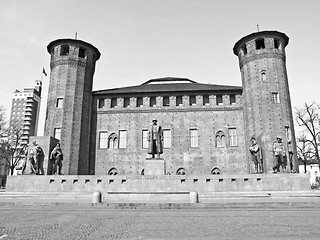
x: 44, y: 71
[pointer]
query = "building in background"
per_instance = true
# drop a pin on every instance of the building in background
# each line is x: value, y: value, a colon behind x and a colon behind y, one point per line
x: 25, y: 111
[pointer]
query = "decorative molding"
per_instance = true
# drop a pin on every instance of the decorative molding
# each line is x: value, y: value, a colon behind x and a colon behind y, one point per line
x: 157, y: 110
x: 71, y: 62
x: 246, y: 60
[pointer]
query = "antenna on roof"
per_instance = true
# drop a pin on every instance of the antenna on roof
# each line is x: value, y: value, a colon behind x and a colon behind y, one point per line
x: 258, y: 27
x: 75, y: 36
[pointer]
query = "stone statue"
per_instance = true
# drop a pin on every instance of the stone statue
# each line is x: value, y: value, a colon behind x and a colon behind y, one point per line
x: 36, y: 157
x: 155, y: 139
x: 57, y: 156
x: 256, y: 155
x: 290, y: 150
x: 31, y: 158
x: 279, y: 155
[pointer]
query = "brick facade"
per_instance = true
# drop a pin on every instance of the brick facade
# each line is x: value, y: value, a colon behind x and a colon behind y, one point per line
x: 69, y: 100
x: 208, y: 127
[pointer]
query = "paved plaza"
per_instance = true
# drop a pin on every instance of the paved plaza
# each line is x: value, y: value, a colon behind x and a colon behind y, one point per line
x: 99, y: 222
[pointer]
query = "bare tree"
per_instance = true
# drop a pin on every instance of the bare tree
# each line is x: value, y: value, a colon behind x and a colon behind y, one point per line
x: 308, y: 119
x: 11, y: 149
x: 304, y: 151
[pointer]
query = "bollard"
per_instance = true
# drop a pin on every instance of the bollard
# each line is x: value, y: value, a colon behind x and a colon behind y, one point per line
x: 96, y: 197
x: 193, y: 197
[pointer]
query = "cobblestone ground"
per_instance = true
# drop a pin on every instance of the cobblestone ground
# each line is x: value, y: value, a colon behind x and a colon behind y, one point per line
x: 62, y: 222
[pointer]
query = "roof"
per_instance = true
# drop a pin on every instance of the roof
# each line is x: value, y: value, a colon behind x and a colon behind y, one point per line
x: 260, y: 34
x: 73, y: 41
x: 169, y: 84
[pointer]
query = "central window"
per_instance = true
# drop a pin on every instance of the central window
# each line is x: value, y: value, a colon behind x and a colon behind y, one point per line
x: 122, y: 139
x: 194, y: 138
x: 153, y: 101
x: 166, y: 138
x: 166, y: 101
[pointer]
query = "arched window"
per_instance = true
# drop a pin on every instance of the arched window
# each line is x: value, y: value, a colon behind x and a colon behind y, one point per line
x: 113, y: 171
x: 181, y: 171
x: 220, y: 139
x: 215, y: 171
x: 263, y: 76
x: 113, y: 141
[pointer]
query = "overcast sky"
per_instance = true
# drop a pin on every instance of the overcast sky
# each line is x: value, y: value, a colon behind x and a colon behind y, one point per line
x: 144, y: 39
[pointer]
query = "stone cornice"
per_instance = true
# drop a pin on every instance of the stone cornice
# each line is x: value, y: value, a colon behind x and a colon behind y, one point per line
x: 71, y: 62
x: 245, y: 60
x: 162, y: 110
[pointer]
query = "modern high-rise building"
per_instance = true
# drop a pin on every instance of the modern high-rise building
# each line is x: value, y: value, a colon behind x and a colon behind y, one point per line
x: 25, y: 111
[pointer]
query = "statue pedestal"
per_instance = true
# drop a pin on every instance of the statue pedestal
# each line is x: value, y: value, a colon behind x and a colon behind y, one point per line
x: 154, y: 166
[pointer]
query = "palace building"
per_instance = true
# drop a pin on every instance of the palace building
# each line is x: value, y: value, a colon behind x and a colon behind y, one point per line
x: 206, y: 128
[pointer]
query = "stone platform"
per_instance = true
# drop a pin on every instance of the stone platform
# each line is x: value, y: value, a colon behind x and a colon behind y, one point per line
x: 204, y: 184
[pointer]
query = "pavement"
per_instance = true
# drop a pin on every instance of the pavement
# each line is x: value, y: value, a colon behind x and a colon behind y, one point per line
x: 243, y: 215
x: 71, y: 222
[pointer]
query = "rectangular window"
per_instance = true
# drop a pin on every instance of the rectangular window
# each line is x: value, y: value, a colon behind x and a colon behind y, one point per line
x: 145, y: 142
x: 232, y: 99
x: 178, y: 100
x: 139, y: 102
x: 260, y: 43
x: 114, y: 102
x: 166, y: 101
x: 275, y: 97
x: 219, y: 100
x: 153, y: 101
x: 233, y: 137
x: 166, y: 138
x: 57, y: 133
x: 101, y: 103
x: 194, y: 138
x: 192, y: 100
x: 122, y: 139
x: 59, y: 102
x: 126, y: 102
x: 64, y: 50
x: 205, y: 99
x: 103, y: 140
x: 82, y: 53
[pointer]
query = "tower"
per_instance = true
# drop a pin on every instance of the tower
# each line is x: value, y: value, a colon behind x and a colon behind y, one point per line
x: 69, y: 100
x: 267, y: 106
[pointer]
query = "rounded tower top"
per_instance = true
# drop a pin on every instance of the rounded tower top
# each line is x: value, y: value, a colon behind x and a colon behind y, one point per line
x: 74, y: 42
x: 280, y: 41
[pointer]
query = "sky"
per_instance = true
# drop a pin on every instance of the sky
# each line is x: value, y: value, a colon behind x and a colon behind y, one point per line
x: 145, y: 39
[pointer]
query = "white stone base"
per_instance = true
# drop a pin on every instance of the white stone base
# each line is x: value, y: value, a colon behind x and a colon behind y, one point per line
x: 154, y: 166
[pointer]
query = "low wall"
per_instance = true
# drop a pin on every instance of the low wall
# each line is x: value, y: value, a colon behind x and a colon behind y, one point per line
x: 203, y: 184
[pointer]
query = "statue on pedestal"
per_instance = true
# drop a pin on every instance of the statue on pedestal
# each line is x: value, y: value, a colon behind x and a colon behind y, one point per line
x: 36, y: 158
x: 279, y: 156
x: 57, y: 156
x: 155, y: 139
x: 256, y: 155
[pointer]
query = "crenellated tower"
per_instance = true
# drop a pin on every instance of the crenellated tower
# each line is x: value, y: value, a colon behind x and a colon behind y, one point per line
x: 69, y: 100
x: 266, y: 97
